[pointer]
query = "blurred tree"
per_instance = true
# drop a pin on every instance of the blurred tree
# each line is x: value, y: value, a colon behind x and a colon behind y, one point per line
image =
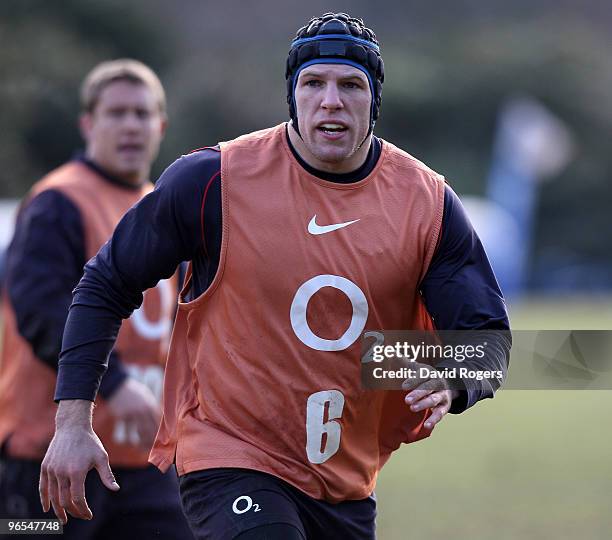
x: 449, y: 67
x: 48, y: 47
x: 441, y: 102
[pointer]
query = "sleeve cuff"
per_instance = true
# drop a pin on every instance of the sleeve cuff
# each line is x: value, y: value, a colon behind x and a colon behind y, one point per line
x: 114, y: 376
x: 468, y: 396
x: 77, y: 381
x: 469, y: 391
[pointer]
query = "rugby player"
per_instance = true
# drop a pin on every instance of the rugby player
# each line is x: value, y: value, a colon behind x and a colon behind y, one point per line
x: 62, y: 222
x: 299, y: 237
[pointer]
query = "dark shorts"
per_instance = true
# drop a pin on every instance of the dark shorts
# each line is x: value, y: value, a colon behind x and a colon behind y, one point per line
x: 220, y: 504
x: 147, y: 506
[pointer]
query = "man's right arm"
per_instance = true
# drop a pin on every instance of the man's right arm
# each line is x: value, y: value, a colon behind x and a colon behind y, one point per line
x: 62, y: 481
x: 158, y: 233
x: 152, y: 239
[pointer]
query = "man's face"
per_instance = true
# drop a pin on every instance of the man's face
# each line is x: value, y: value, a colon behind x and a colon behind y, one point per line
x: 124, y: 130
x: 333, y: 108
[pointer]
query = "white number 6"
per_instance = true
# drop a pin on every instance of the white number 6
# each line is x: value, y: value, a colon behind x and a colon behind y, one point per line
x: 316, y: 427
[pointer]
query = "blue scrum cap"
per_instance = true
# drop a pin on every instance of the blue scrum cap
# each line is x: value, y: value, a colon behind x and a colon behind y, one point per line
x: 341, y: 39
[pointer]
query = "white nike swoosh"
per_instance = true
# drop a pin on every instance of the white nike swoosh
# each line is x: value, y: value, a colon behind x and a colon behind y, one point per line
x: 313, y: 228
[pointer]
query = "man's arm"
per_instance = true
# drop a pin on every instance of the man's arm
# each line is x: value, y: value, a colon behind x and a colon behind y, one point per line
x: 152, y: 239
x: 164, y: 229
x: 44, y: 263
x: 68, y: 494
x: 461, y: 293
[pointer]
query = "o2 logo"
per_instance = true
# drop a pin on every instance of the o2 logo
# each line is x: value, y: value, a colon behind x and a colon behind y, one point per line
x: 243, y: 504
x: 159, y: 329
x: 152, y: 376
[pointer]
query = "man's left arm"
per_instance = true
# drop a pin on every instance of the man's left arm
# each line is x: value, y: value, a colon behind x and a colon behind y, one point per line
x: 461, y: 293
x: 44, y: 263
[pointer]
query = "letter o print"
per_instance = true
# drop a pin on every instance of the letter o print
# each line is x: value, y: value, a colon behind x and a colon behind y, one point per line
x: 300, y: 302
x: 248, y: 504
x: 153, y: 330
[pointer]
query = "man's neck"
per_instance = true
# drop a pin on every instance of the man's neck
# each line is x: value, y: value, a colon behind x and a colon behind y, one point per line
x: 131, y: 183
x: 341, y: 167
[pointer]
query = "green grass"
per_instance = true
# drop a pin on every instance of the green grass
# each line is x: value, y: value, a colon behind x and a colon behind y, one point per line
x: 527, y: 464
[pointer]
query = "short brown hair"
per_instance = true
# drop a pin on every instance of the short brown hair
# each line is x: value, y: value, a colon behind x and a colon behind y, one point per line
x: 123, y: 69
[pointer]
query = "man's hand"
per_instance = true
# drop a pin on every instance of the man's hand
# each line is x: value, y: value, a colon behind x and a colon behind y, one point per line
x: 134, y: 404
x: 429, y: 393
x: 73, y: 452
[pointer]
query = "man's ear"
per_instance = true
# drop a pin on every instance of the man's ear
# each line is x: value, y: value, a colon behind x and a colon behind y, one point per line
x: 85, y: 125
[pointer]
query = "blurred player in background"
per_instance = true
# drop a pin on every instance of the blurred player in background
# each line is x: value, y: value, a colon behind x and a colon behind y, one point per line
x: 63, y: 222
x: 299, y: 237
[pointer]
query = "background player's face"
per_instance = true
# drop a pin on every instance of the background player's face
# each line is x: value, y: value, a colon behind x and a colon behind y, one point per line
x: 333, y: 108
x: 124, y: 130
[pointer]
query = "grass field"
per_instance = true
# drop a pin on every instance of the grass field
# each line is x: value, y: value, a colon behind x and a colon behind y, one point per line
x: 527, y: 464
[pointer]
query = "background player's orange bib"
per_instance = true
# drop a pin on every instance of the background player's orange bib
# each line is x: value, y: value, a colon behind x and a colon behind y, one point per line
x: 264, y: 369
x: 27, y: 410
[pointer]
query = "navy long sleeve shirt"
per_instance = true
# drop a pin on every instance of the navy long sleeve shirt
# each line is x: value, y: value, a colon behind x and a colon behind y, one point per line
x: 44, y: 263
x: 181, y: 220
